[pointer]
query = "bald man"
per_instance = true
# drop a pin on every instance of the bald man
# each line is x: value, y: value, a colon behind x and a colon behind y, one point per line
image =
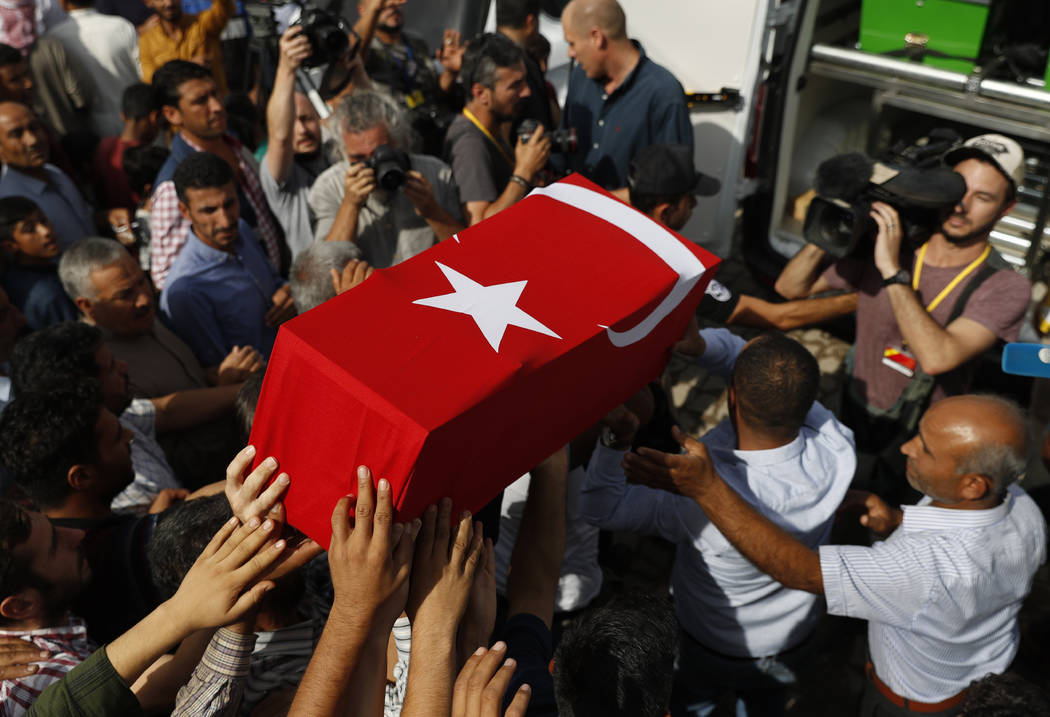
x: 619, y: 101
x: 941, y: 594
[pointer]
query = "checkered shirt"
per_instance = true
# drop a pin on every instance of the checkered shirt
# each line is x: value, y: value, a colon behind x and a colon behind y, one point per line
x: 69, y: 646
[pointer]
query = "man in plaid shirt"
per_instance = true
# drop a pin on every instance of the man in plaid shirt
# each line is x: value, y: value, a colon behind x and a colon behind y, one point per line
x: 190, y: 101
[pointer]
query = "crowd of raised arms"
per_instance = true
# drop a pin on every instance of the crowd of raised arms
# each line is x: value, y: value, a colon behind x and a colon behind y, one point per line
x: 169, y: 199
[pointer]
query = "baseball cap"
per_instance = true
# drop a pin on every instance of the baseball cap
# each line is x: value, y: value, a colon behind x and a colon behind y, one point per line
x: 1003, y: 152
x: 667, y: 169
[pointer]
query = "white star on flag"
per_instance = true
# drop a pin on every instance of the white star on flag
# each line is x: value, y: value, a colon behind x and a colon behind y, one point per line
x: 493, y: 308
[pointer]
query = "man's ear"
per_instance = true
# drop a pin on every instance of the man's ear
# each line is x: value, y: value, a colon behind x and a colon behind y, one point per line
x: 974, y: 486
x: 184, y: 211
x: 80, y: 477
x: 172, y: 115
x: 531, y: 24
x: 661, y: 212
x: 477, y: 92
x: 598, y: 38
x: 85, y: 305
x: 9, y: 245
x: 23, y: 605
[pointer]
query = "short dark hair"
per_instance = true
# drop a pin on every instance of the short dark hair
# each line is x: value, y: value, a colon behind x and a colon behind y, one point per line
x: 1005, y: 695
x: 12, y: 211
x: 137, y: 101
x: 141, y: 166
x: 513, y: 13
x: 170, y: 76
x: 45, y: 434
x: 180, y: 536
x: 10, y: 56
x: 48, y: 359
x: 618, y: 660
x: 538, y: 48
x: 246, y: 401
x: 646, y: 203
x: 15, y: 527
x: 484, y: 55
x: 776, y: 381
x: 201, y: 170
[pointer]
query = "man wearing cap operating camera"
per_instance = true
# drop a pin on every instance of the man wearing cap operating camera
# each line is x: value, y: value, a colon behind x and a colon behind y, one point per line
x: 490, y: 174
x: 924, y: 317
x: 388, y: 224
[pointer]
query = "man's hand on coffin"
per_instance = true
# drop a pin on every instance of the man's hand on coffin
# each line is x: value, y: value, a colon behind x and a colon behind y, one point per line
x: 255, y: 496
x: 355, y: 272
x: 479, y: 620
x: 370, y: 557
x: 446, y: 558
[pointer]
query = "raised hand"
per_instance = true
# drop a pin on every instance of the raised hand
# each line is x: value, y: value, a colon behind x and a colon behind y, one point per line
x: 443, y: 566
x: 481, y: 683
x: 254, y: 496
x: 689, y: 473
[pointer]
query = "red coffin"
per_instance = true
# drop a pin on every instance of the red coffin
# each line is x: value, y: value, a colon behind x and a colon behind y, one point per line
x: 418, y: 374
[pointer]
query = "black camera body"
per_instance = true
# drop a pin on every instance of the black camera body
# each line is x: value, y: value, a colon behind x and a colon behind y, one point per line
x: 326, y: 32
x: 839, y: 217
x: 389, y: 164
x: 563, y: 141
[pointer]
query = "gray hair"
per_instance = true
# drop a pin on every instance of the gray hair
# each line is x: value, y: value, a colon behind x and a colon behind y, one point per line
x: 366, y: 109
x: 1001, y: 463
x: 80, y: 260
x: 311, y: 274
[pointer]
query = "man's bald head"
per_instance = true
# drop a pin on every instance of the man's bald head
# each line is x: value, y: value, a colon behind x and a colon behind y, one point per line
x: 606, y: 15
x: 994, y: 437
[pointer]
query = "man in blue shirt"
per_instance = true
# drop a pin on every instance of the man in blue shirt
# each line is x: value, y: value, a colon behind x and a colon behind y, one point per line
x: 221, y: 291
x: 619, y: 101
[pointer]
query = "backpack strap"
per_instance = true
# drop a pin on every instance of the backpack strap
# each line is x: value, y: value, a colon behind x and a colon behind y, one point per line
x: 992, y: 265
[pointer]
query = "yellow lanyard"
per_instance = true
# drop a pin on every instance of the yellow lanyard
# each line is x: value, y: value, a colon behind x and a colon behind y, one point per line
x: 953, y: 283
x: 470, y: 116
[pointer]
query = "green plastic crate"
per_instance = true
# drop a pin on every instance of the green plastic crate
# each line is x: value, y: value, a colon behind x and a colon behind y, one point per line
x: 954, y: 27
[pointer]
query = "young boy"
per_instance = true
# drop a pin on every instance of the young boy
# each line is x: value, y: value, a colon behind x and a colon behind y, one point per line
x: 31, y: 248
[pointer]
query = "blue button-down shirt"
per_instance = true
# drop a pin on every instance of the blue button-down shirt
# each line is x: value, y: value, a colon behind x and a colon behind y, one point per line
x: 58, y: 198
x: 723, y: 601
x: 215, y: 300
x: 647, y: 108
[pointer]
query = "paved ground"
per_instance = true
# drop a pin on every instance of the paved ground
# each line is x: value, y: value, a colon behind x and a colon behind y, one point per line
x: 832, y: 683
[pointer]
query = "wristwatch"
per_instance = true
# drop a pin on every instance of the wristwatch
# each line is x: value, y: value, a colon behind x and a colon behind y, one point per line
x: 901, y: 277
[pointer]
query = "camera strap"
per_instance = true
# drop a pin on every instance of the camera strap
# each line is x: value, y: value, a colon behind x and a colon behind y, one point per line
x: 920, y: 258
x: 488, y: 135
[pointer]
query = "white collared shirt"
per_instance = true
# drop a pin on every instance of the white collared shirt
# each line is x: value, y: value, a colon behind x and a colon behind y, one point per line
x: 941, y: 594
x: 722, y: 600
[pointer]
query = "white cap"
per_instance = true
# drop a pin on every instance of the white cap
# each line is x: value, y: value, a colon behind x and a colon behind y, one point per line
x: 1001, y: 151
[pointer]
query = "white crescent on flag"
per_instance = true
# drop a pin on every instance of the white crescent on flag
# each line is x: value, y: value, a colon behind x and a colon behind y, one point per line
x: 650, y: 233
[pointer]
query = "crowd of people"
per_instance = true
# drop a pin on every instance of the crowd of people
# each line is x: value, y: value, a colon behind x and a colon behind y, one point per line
x: 157, y: 229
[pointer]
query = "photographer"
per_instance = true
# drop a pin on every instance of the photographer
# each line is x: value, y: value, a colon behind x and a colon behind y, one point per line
x: 491, y: 176
x: 923, y: 313
x: 389, y: 224
x: 295, y: 156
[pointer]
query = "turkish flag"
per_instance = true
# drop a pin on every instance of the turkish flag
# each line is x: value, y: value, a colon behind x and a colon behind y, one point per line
x: 455, y: 372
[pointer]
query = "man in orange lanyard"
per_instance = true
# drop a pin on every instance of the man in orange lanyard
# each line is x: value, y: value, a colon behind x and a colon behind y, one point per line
x: 492, y: 174
x: 925, y: 316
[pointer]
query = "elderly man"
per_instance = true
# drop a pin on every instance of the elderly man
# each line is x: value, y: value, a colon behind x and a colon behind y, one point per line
x: 788, y: 454
x: 221, y: 291
x: 941, y: 594
x: 112, y: 292
x: 388, y: 224
x: 924, y: 314
x: 619, y: 101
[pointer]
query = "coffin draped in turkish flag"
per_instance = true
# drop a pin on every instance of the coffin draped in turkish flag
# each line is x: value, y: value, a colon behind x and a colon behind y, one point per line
x: 455, y: 372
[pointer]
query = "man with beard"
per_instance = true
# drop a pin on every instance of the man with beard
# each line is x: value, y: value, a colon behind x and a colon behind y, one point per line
x: 177, y: 36
x: 925, y: 316
x: 492, y: 176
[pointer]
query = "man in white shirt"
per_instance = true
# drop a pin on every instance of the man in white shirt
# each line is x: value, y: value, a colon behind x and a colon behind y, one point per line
x: 785, y: 454
x: 106, y: 48
x: 941, y: 594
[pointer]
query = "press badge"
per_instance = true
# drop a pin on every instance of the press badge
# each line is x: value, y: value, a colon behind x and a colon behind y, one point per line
x: 899, y: 360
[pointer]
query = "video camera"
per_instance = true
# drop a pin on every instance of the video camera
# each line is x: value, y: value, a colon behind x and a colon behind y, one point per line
x: 327, y: 33
x: 839, y: 218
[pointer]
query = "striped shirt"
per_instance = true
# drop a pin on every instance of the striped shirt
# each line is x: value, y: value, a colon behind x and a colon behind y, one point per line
x: 69, y: 646
x: 941, y: 594
x: 217, y: 683
x: 153, y: 473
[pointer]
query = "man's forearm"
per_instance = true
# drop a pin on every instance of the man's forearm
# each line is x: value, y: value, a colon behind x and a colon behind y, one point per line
x: 429, y: 691
x: 186, y: 409
x: 344, y: 227
x: 789, y: 315
x: 934, y: 346
x: 512, y: 194
x: 442, y: 223
x: 365, y: 27
x: 280, y: 121
x: 770, y: 548
x: 135, y: 650
x: 800, y: 274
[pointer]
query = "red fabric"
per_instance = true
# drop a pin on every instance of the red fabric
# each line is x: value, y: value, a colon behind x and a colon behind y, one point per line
x: 417, y: 393
x: 112, y: 183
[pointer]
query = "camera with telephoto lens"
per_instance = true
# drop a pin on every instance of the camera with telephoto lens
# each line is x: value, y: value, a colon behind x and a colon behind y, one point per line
x: 389, y: 164
x: 563, y: 141
x: 839, y: 217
